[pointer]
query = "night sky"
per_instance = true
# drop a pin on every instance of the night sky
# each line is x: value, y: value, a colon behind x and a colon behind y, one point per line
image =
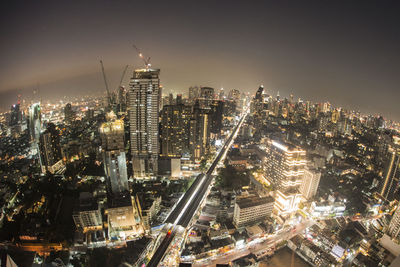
x: 344, y: 52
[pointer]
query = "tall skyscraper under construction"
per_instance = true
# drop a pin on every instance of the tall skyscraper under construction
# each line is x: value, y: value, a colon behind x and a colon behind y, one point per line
x: 112, y: 139
x: 144, y: 99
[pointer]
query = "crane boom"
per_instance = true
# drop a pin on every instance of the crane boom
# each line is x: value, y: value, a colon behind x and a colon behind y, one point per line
x: 122, y: 77
x: 145, y: 61
x: 105, y: 82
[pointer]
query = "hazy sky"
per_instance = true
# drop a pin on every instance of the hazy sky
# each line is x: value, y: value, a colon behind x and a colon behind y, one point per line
x: 344, y: 52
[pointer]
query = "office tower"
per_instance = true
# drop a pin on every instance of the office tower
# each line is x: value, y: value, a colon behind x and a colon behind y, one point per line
x: 69, y: 114
x: 50, y: 149
x: 199, y: 132
x: 251, y: 210
x: 335, y: 116
x: 170, y: 99
x: 259, y: 93
x: 35, y: 121
x: 216, y: 115
x: 194, y: 93
x: 121, y: 99
x: 112, y: 139
x: 179, y: 99
x: 89, y: 114
x: 390, y: 183
x: 144, y: 99
x: 394, y: 226
x: 234, y: 95
x: 206, y: 96
x: 175, y: 123
x: 258, y: 104
x: 284, y: 169
x: 15, y: 115
x: 310, y: 183
x: 221, y: 94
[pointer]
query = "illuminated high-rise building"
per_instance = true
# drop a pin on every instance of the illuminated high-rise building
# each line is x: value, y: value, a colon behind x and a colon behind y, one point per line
x: 390, y: 182
x: 112, y: 137
x: 284, y: 166
x: 175, y: 124
x: 394, y: 226
x: 35, y: 122
x: 121, y: 99
x: 144, y: 99
x: 50, y: 149
x: 199, y: 132
x: 309, y: 185
x: 216, y: 115
x: 284, y: 169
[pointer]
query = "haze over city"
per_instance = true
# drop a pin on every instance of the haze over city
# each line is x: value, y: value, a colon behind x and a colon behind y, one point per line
x: 344, y: 52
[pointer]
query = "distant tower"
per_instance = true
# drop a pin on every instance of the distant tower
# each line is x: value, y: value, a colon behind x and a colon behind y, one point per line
x: 35, y: 121
x: 69, y: 113
x: 144, y: 99
x: 206, y: 96
x: 16, y: 115
x: 112, y: 139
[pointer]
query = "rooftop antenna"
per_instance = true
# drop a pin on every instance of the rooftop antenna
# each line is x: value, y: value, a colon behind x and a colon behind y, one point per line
x: 145, y: 61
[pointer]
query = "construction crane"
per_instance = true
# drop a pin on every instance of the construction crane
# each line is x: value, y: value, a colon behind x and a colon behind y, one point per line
x: 105, y: 82
x: 145, y: 61
x: 122, y: 77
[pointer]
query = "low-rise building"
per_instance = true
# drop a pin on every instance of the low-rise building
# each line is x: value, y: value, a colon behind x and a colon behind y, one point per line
x: 252, y: 210
x: 87, y: 214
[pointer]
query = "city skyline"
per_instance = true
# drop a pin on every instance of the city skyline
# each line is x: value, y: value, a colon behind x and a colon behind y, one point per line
x: 310, y: 52
x: 241, y: 134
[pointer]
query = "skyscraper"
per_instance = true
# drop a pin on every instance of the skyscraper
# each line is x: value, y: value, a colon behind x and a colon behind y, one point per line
x: 284, y: 169
x: 284, y: 165
x: 112, y: 137
x: 194, y: 93
x: 216, y: 114
x: 50, y: 149
x: 16, y: 115
x: 390, y: 182
x: 35, y: 122
x: 199, y: 132
x: 309, y: 185
x: 69, y: 113
x: 206, y: 96
x: 175, y: 123
x: 144, y: 99
x: 394, y: 226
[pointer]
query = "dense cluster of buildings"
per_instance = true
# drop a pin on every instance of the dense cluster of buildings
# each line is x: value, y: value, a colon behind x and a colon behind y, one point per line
x: 301, y: 160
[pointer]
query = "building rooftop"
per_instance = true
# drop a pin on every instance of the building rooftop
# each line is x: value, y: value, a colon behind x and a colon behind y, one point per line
x: 254, y: 201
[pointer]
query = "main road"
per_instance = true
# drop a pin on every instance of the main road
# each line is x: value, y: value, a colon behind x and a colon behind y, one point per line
x: 189, y: 203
